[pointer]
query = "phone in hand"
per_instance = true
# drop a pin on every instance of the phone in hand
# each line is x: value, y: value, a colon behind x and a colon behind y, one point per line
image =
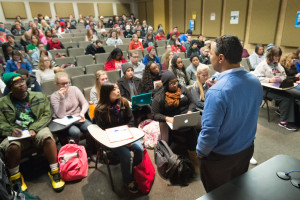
x: 69, y: 116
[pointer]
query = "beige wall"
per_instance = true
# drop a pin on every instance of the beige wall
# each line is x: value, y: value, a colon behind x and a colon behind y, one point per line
x: 279, y: 22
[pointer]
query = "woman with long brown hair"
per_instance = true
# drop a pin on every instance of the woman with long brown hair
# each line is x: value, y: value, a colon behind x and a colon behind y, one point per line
x: 114, y: 110
x: 17, y: 62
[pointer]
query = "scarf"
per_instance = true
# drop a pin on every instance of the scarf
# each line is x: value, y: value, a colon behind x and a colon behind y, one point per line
x: 172, y: 99
x: 116, y: 107
x: 132, y: 88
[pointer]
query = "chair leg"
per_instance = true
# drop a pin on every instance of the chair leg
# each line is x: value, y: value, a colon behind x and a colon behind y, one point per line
x: 97, y: 159
x: 109, y: 172
x: 268, y: 110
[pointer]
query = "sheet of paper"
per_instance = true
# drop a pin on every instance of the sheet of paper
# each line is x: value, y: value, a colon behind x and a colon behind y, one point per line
x: 119, y: 133
x: 66, y: 121
x: 25, y: 134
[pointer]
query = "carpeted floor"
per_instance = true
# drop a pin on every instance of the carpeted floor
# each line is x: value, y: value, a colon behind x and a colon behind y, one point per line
x: 270, y: 140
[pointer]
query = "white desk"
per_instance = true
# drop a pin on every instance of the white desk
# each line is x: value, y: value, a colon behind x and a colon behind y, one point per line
x: 271, y: 86
x: 100, y: 136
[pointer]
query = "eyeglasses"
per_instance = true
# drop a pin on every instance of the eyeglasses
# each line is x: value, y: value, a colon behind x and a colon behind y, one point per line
x: 135, y: 56
x: 19, y: 82
x: 173, y: 83
x: 63, y: 84
x: 46, y: 60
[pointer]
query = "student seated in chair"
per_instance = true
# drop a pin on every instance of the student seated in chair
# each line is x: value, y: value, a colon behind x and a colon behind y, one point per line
x: 113, y: 110
x: 69, y: 100
x: 31, y: 82
x: 174, y: 99
x: 25, y: 110
x: 271, y: 71
x: 95, y: 47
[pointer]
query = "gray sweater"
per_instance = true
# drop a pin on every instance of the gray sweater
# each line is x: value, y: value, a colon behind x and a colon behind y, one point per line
x: 196, y: 95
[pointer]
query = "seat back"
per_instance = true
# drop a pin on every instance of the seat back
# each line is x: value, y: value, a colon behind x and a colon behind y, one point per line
x: 86, y: 93
x: 113, y: 76
x: 101, y: 57
x: 64, y: 40
x: 84, y: 44
x: 160, y: 51
x: 78, y: 39
x: 73, y: 52
x: 109, y: 49
x: 48, y: 87
x: 74, y: 71
x: 246, y: 63
x: 70, y: 44
x: 66, y: 60
x: 83, y: 81
x: 56, y: 51
x: 181, y: 55
x: 161, y: 43
x: 85, y: 60
x: 211, y: 70
x: 126, y: 40
x: 123, y: 47
x: 186, y: 62
x: 92, y: 69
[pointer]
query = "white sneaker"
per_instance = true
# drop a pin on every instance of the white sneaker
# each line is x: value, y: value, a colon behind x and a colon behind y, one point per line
x: 253, y: 161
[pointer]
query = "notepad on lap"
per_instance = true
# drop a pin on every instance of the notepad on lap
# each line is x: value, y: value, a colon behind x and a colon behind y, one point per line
x: 67, y: 120
x: 25, y: 134
x: 119, y: 133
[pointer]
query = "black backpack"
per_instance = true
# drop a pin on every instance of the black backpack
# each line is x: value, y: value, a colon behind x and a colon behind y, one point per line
x: 6, y: 191
x: 177, y: 169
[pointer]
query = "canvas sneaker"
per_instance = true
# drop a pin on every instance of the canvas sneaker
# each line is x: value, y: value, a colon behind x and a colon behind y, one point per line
x: 57, y: 183
x: 288, y: 126
x: 17, y: 179
x: 132, y: 187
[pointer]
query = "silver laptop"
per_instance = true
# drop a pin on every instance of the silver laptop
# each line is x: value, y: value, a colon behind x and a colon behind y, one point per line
x: 185, y: 120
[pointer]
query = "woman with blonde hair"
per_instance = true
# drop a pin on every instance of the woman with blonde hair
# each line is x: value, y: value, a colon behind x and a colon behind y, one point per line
x: 135, y: 43
x: 45, y: 70
x: 25, y: 40
x: 288, y: 62
x: 90, y: 36
x: 101, y: 77
x: 69, y: 100
x: 200, y: 88
x: 167, y: 60
x: 45, y: 26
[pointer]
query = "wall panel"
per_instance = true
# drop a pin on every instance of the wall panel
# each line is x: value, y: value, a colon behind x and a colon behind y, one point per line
x: 150, y: 16
x: 142, y: 13
x: 63, y: 10
x: 240, y: 28
x: 86, y: 9
x: 12, y: 9
x: 123, y: 8
x: 40, y: 8
x: 178, y: 15
x: 263, y: 22
x: 290, y: 34
x: 105, y: 9
x: 212, y: 28
x: 193, y: 7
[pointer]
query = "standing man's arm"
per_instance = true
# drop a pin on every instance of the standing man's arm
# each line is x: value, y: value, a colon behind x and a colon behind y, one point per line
x: 212, y: 120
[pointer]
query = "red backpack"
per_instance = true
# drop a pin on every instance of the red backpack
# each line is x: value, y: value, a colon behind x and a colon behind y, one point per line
x: 73, y: 162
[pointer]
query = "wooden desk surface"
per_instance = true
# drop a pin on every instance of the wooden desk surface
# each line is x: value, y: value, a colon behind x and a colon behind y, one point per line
x: 100, y: 135
x: 261, y: 183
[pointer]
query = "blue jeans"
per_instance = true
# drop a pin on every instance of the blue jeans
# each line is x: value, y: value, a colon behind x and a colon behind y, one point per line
x: 75, y: 130
x: 125, y: 157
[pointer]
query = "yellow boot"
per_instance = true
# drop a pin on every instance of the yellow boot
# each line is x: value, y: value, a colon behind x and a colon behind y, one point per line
x: 194, y: 160
x: 18, y: 179
x: 57, y: 183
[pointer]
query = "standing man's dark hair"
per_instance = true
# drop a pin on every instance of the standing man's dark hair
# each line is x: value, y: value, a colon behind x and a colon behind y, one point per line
x: 230, y: 46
